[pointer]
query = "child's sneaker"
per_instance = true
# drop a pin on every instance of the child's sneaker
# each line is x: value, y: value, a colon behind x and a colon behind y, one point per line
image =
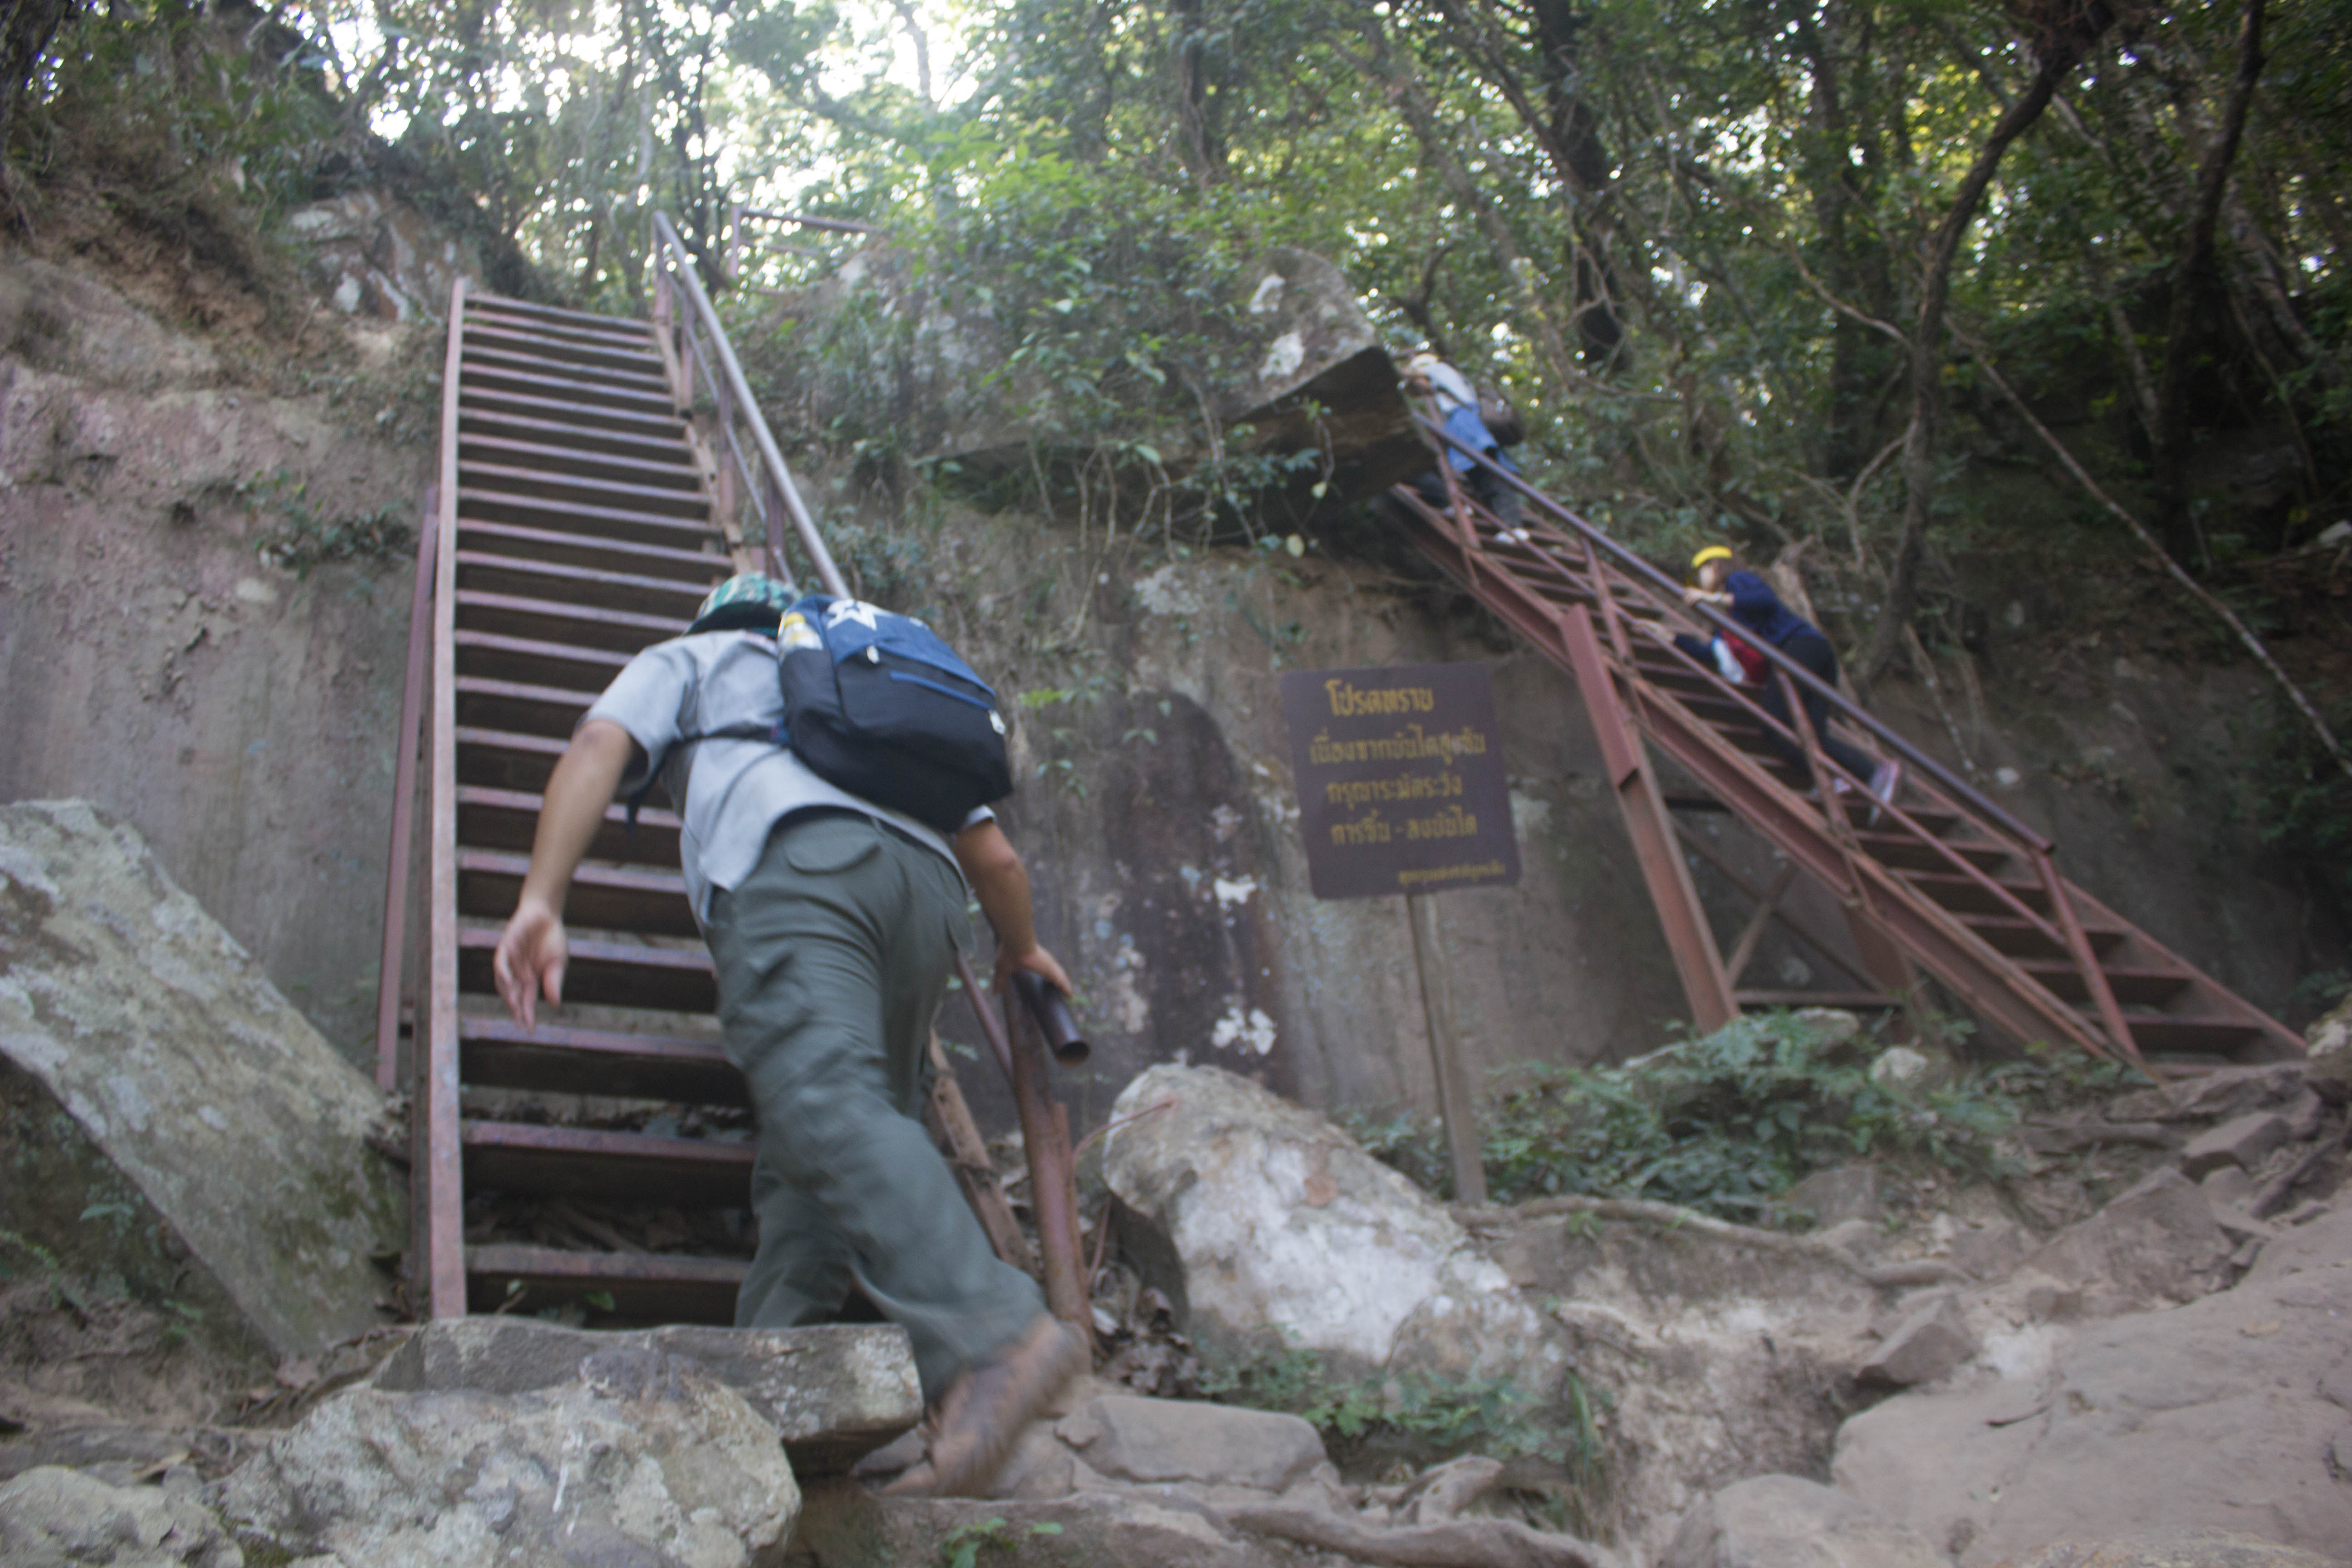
x: 1885, y: 781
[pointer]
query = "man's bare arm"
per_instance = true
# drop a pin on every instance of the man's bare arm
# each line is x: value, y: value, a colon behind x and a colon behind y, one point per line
x: 532, y: 950
x: 999, y: 880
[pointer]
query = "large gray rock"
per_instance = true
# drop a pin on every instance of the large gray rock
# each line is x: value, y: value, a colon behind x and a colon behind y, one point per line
x: 847, y: 1527
x: 833, y: 1393
x: 1925, y: 1345
x: 2329, y: 1043
x: 2174, y: 1548
x: 2216, y: 1414
x: 1289, y: 1234
x: 236, y: 1131
x: 1188, y: 1440
x: 1785, y: 1521
x: 2159, y: 1242
x: 644, y: 1458
x: 2242, y: 1141
x: 52, y: 1518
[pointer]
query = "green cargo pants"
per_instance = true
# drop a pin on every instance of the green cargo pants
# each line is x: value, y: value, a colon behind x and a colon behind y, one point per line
x: 832, y: 956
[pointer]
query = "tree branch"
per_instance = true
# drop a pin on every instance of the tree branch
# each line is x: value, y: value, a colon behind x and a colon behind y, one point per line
x: 2173, y: 568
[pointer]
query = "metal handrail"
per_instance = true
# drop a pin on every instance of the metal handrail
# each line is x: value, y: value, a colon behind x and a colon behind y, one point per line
x: 681, y: 266
x: 1846, y: 707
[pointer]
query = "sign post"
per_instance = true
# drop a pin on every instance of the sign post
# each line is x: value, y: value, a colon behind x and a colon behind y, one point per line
x: 1402, y: 790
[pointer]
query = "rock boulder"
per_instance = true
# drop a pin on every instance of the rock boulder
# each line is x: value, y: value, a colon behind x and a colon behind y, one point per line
x: 642, y: 1459
x: 1786, y: 1522
x: 52, y: 1518
x: 169, y: 1118
x: 833, y: 1393
x: 2216, y: 1414
x: 1288, y: 1233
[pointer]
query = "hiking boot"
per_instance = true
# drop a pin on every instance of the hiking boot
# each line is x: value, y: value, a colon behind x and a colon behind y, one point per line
x: 985, y: 1411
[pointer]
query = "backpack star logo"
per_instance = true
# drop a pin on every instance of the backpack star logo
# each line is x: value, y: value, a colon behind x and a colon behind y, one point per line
x: 852, y: 610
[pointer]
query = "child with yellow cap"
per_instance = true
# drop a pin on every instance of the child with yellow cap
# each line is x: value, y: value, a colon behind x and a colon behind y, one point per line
x: 1724, y: 583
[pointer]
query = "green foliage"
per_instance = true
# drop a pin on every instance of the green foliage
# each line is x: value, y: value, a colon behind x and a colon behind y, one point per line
x: 1421, y: 1414
x: 294, y: 533
x: 964, y: 1546
x: 1726, y: 1123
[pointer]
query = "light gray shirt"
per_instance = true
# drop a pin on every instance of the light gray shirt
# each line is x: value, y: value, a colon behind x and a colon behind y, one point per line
x: 734, y: 791
x: 1452, y: 388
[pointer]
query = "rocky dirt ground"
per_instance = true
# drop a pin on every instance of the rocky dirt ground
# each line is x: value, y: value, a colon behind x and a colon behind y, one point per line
x: 2013, y: 1374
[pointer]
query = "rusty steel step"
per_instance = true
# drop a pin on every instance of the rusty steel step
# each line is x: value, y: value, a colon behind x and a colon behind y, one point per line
x: 663, y: 600
x: 493, y: 818
x: 568, y: 493
x: 490, y: 503
x: 647, y: 1287
x: 496, y: 759
x: 641, y: 901
x: 1966, y: 896
x: 694, y: 570
x: 491, y: 655
x: 655, y: 445
x: 1903, y: 853
x: 584, y: 420
x: 2015, y: 938
x: 556, y: 312
x: 537, y: 380
x: 579, y: 625
x: 633, y: 336
x: 605, y: 972
x: 581, y: 1163
x: 2132, y: 986
x: 496, y: 1052
x: 583, y: 381
x: 1853, y: 1001
x: 2168, y: 1034
x: 519, y: 707
x: 671, y: 473
x: 642, y: 364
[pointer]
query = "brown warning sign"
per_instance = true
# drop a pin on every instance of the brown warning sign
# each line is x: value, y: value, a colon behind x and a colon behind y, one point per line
x: 1400, y: 784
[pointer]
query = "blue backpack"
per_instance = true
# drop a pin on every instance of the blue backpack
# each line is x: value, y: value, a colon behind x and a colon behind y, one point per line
x: 876, y: 704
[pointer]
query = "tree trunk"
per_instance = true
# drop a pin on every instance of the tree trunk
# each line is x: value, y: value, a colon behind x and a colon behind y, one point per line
x: 1926, y: 371
x: 2196, y: 288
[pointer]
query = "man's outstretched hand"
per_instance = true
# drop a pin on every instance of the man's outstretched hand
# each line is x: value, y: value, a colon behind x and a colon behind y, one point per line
x: 1038, y: 962
x: 530, y: 961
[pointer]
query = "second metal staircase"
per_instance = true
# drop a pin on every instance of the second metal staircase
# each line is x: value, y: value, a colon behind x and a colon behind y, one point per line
x: 1943, y: 881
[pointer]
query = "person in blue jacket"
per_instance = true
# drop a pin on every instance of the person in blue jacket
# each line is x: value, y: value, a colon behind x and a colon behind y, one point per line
x: 1426, y: 376
x: 1750, y: 600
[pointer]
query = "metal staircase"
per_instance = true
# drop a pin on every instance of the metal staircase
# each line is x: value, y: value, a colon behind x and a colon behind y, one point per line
x: 581, y: 512
x: 1943, y: 881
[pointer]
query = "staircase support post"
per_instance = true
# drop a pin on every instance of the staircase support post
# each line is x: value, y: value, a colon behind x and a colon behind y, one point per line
x: 1635, y: 785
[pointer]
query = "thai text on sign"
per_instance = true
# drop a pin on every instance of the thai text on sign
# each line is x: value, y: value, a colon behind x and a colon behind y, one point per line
x: 1400, y: 784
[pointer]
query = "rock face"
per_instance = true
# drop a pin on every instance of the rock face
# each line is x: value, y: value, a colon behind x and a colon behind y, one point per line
x: 642, y: 1459
x: 2216, y: 1414
x: 2155, y: 1244
x: 2173, y: 1549
x: 831, y: 1394
x: 1288, y: 1233
x: 1786, y: 1522
x: 53, y: 1517
x: 1928, y: 1343
x: 236, y: 1131
x: 1172, y: 1440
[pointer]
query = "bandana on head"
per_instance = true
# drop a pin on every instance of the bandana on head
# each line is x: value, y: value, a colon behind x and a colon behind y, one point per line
x: 749, y: 601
